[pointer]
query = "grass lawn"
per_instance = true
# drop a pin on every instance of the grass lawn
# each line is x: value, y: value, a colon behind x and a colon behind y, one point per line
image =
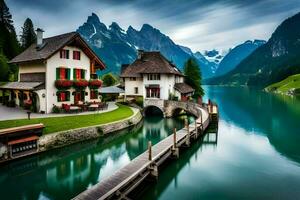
x: 285, y: 85
x: 55, y: 124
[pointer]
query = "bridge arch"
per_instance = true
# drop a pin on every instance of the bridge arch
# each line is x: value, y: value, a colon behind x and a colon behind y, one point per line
x: 153, y: 110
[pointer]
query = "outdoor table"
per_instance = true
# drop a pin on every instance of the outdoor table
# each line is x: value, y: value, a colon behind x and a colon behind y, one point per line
x: 74, y: 108
x: 93, y: 107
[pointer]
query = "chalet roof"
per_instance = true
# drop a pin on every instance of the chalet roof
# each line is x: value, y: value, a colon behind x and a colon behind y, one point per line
x: 150, y: 62
x: 183, y: 88
x: 52, y: 45
x: 23, y: 85
x: 111, y: 90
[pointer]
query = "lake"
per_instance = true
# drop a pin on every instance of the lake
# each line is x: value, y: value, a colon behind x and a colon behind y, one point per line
x: 256, y: 156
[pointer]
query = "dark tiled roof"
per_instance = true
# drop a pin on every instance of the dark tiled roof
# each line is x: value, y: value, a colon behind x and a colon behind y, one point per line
x: 150, y: 62
x: 50, y: 46
x: 183, y: 88
x: 53, y: 44
x: 23, y: 85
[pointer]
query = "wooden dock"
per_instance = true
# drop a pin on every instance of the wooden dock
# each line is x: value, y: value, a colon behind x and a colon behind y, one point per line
x: 122, y: 182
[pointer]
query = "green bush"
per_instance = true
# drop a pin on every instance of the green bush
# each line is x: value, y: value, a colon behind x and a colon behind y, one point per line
x: 140, y: 101
x: 56, y: 109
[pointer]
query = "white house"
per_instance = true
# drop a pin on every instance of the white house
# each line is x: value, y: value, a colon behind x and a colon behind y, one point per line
x: 53, y: 71
x: 151, y: 75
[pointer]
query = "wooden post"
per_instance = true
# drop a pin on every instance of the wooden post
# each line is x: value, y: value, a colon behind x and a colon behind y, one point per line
x: 196, y: 130
x: 175, y: 150
x: 174, y: 138
x: 187, y: 142
x: 150, y: 150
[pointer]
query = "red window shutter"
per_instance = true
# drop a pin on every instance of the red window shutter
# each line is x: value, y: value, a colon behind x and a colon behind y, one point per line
x: 62, y: 74
x: 78, y: 74
x: 62, y: 96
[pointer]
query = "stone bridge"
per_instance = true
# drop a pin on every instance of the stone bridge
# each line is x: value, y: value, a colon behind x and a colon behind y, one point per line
x: 169, y: 108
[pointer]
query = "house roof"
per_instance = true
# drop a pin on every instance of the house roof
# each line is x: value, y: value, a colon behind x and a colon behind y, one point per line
x: 111, y: 90
x: 183, y: 88
x: 150, y: 62
x: 23, y: 85
x: 52, y: 45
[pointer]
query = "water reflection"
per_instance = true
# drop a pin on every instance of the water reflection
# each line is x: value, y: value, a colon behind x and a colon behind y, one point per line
x: 275, y: 116
x: 256, y: 156
x: 64, y: 173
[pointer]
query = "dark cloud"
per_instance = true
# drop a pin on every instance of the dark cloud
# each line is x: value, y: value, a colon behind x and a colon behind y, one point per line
x: 200, y: 24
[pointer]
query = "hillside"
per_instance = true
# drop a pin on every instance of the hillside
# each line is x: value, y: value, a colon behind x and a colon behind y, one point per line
x: 271, y: 62
x: 290, y: 86
x: 236, y: 55
x: 117, y: 46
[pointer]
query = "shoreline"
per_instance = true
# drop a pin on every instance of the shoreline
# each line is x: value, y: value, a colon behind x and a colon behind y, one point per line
x: 65, y: 138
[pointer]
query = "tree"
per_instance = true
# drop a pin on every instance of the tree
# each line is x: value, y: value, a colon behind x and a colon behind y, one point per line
x: 9, y: 45
x: 28, y: 36
x: 109, y: 79
x: 193, y: 76
x: 4, y: 68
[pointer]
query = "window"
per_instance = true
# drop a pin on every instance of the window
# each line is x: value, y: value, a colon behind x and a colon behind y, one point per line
x: 76, y: 55
x: 153, y: 92
x: 132, y: 78
x: 153, y: 77
x: 78, y: 74
x: 136, y: 90
x: 64, y: 53
x: 63, y: 96
x: 62, y: 73
x: 94, y: 94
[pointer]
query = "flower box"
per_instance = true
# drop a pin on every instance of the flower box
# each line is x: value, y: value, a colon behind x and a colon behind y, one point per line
x: 63, y: 84
x: 80, y: 83
x: 95, y: 84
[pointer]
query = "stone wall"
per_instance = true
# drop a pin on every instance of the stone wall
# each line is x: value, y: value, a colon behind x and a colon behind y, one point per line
x: 60, y: 139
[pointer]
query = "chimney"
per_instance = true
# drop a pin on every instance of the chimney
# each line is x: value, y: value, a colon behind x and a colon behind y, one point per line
x: 140, y: 53
x: 39, y: 37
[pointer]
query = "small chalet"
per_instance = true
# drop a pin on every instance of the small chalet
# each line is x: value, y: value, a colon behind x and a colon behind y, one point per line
x: 151, y: 75
x: 54, y: 71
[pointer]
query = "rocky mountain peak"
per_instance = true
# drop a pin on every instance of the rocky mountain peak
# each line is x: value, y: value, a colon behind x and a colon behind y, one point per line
x: 115, y: 27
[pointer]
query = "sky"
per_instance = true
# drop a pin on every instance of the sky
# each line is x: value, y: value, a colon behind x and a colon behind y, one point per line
x: 198, y: 24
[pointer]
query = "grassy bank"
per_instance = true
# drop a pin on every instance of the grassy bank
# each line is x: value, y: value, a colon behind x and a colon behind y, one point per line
x: 286, y: 86
x: 56, y: 124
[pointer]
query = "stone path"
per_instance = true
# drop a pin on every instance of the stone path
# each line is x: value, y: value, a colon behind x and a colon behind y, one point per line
x: 7, y: 113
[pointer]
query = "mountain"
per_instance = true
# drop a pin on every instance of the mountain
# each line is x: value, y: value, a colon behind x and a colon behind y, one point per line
x: 209, y: 67
x: 236, y: 55
x: 117, y: 46
x: 213, y: 56
x: 272, y: 61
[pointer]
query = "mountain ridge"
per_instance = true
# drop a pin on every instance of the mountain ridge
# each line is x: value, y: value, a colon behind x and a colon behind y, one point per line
x: 117, y: 46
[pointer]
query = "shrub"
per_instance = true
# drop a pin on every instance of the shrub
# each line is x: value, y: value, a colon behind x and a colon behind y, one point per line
x: 56, y: 109
x: 140, y: 101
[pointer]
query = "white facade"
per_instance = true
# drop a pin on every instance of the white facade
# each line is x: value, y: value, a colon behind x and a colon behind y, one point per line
x: 48, y: 96
x: 55, y: 62
x: 165, y: 84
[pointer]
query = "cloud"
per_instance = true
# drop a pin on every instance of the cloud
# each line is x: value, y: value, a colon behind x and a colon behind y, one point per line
x: 199, y: 24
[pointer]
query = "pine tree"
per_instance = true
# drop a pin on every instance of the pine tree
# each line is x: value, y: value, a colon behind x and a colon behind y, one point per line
x: 4, y: 68
x: 193, y: 76
x: 9, y: 45
x: 28, y: 35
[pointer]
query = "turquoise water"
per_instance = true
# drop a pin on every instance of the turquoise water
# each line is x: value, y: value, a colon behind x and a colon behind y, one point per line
x: 257, y: 154
x: 65, y: 172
